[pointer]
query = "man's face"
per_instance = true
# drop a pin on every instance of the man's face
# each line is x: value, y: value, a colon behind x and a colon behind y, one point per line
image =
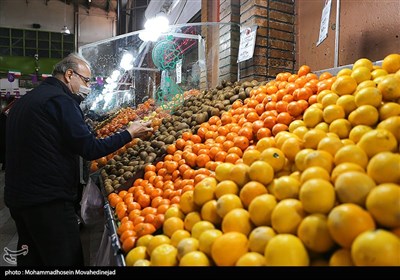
x: 80, y: 77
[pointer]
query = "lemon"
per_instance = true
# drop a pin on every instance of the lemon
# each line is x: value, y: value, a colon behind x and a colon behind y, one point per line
x: 384, y: 168
x: 389, y: 109
x: 376, y: 141
x: 259, y: 238
x: 237, y: 220
x: 345, y: 167
x: 317, y: 196
x: 164, y: 255
x: 353, y: 187
x: 194, y: 258
x: 251, y: 259
x: 347, y: 102
x: 286, y: 250
x: 344, y: 85
x: 260, y: 209
x: 204, y: 190
x: 312, y: 138
x: 391, y: 124
x: 330, y: 145
x: 178, y: 236
x: 341, y: 127
x: 312, y: 117
x: 368, y: 96
x: 363, y: 62
x: 186, y: 245
x: 364, y: 114
x: 351, y: 153
x: 191, y: 219
x: 287, y: 215
x: 135, y: 254
x: 358, y: 131
x: 238, y: 246
x: 286, y: 187
x: 261, y: 171
x: 199, y: 227
x: 389, y: 86
x: 206, y: 240
x: 314, y: 172
x: 361, y: 73
x: 226, y: 203
x: 225, y: 187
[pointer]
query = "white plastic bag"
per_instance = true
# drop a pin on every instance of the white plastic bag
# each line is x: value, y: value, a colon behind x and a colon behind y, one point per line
x: 92, y: 204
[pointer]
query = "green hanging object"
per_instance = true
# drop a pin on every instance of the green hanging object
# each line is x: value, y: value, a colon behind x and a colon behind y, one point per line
x: 166, y: 55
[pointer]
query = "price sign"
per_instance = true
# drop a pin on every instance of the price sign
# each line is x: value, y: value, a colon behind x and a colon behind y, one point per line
x: 323, y: 30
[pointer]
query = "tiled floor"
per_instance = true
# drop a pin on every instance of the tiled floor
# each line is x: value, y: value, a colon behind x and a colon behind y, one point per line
x: 91, y: 236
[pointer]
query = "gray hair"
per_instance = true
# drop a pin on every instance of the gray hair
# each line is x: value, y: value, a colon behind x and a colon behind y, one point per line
x: 71, y: 61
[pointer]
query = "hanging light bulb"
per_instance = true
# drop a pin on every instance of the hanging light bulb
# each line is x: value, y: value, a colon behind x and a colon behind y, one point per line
x: 65, y: 30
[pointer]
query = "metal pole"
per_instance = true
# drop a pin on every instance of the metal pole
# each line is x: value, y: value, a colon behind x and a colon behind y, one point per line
x: 336, y: 62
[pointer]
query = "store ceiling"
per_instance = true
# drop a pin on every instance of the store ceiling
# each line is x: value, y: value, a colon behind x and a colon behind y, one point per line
x: 106, y: 5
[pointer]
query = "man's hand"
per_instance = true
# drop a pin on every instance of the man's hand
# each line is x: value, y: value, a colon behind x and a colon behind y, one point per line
x: 139, y: 129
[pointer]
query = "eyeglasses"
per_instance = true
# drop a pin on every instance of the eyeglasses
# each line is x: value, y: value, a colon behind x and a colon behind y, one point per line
x: 85, y: 79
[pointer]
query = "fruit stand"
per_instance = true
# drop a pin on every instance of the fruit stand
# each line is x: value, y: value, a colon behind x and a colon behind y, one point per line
x: 305, y: 163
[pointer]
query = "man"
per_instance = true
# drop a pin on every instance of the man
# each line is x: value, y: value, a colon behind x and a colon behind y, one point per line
x: 46, y: 134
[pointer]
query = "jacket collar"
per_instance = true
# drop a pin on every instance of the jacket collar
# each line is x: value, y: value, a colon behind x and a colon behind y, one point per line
x: 56, y: 82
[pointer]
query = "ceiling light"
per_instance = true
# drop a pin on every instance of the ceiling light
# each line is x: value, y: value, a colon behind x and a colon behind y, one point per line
x: 65, y: 30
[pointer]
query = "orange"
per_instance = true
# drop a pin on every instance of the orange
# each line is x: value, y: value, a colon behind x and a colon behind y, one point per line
x: 251, y: 259
x: 376, y: 248
x: 317, y: 196
x: 391, y: 63
x: 260, y: 209
x: 313, y: 232
x: 383, y: 204
x: 389, y: 86
x: 287, y: 216
x: 209, y: 212
x: 206, y: 240
x: 228, y: 202
x: 194, y: 258
x: 164, y: 255
x: 384, y: 168
x: 237, y: 220
x: 238, y: 246
x: 353, y: 187
x: 286, y: 250
x: 347, y: 221
x: 341, y: 257
x: 259, y: 238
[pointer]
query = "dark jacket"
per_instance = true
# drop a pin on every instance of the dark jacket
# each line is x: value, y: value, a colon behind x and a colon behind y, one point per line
x: 46, y: 134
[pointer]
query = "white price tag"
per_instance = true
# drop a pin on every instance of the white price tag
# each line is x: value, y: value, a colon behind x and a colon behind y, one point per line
x: 179, y: 71
x: 247, y: 43
x: 323, y: 30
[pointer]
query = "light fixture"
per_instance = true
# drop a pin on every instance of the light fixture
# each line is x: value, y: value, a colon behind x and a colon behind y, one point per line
x: 65, y: 30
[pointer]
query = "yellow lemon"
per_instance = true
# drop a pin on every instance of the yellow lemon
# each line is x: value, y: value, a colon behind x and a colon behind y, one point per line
x: 344, y: 85
x: 358, y: 131
x: 344, y: 167
x: 376, y: 141
x: 361, y: 74
x: 264, y: 143
x: 186, y: 245
x: 293, y: 125
x: 353, y: 187
x: 178, y: 236
x: 351, y: 153
x: 237, y: 220
x: 171, y: 225
x: 391, y: 124
x: 275, y: 157
x: 329, y: 99
x: 259, y: 238
x: 365, y: 84
x: 312, y: 117
x: 378, y: 73
x: 312, y: 138
x: 204, y: 190
x: 389, y: 109
x: 330, y: 145
x: 341, y: 127
x: 363, y: 62
x: 156, y: 241
x: 201, y: 226
x: 251, y: 259
x: 389, y: 86
x: 261, y: 171
x: 287, y: 215
x: 164, y: 255
x: 314, y: 233
x: 317, y: 196
x: 391, y: 63
x: 384, y: 168
x: 226, y: 203
x: 238, y: 246
x: 225, y: 187
x: 344, y: 71
x: 347, y: 102
x: 341, y: 257
x: 314, y: 172
x: 194, y: 258
x: 191, y: 219
x: 240, y: 174
x: 319, y: 158
x: 376, y: 248
x: 365, y: 114
x: 250, y: 156
x: 286, y: 187
x: 135, y: 254
x: 223, y: 171
x: 383, y: 204
x: 209, y: 212
x: 286, y: 250
x: 206, y: 240
x: 260, y: 209
x: 368, y: 96
x: 186, y: 204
